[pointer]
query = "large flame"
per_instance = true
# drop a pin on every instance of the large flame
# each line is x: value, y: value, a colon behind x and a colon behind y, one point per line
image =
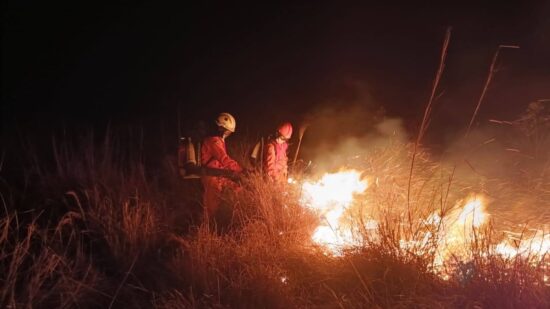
x: 452, y: 232
x: 337, y: 189
x: 331, y: 196
x: 537, y: 245
x: 459, y: 228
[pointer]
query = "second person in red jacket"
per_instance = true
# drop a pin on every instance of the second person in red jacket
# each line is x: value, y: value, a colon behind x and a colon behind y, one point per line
x: 275, y: 158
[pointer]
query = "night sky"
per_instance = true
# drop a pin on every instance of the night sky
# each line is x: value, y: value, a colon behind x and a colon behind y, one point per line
x: 86, y: 64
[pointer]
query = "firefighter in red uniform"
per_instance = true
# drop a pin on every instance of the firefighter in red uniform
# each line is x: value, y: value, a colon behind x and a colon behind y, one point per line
x: 275, y: 158
x: 214, y: 155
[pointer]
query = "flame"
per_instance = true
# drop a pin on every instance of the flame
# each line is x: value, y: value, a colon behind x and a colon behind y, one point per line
x: 335, y: 189
x: 458, y: 228
x: 331, y: 196
x: 460, y: 224
x: 473, y: 214
x: 453, y: 232
x: 536, y: 246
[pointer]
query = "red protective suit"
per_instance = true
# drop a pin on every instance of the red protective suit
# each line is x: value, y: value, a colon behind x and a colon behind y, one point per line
x: 276, y: 161
x: 214, y: 155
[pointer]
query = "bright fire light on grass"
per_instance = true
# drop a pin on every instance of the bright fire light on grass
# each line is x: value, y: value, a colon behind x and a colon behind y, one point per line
x: 538, y: 245
x: 331, y: 196
x: 456, y: 230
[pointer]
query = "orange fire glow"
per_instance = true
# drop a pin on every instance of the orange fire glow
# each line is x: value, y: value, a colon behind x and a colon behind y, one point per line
x: 333, y: 194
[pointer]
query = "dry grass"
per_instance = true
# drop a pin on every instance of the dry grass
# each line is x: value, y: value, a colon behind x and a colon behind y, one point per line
x: 103, y: 234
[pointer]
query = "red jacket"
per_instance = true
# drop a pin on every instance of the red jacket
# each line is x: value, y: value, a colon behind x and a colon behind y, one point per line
x: 214, y: 154
x: 276, y: 160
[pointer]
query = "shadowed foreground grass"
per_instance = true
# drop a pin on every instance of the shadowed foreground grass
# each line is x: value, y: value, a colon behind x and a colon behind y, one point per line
x: 98, y: 231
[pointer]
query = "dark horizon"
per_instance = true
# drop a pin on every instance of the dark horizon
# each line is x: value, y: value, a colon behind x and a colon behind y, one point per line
x: 70, y: 65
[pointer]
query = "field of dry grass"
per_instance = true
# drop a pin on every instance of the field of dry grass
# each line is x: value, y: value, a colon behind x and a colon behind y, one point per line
x: 96, y: 228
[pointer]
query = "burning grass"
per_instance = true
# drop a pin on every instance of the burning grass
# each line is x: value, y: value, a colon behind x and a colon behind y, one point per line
x: 97, y: 232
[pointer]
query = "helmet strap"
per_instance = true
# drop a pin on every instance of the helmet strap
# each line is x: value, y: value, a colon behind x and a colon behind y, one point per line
x: 223, y: 132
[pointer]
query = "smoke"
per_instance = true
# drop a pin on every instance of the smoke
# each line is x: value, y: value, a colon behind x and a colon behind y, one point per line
x: 339, y: 131
x: 500, y: 148
x: 509, y: 160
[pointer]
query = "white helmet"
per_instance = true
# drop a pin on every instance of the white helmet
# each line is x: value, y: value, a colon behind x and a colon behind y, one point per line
x: 226, y: 121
